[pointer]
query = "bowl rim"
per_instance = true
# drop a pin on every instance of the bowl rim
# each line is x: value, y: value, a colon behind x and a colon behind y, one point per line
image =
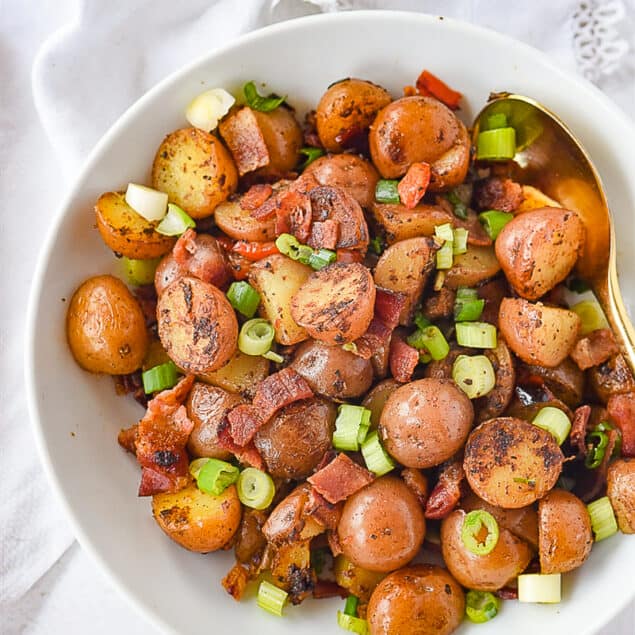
x: 279, y: 28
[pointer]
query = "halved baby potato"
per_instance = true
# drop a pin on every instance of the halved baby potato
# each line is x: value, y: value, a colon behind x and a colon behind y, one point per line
x: 476, y: 265
x: 238, y: 223
x: 400, y: 223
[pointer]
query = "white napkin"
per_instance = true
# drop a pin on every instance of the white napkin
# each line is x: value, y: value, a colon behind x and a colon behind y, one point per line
x: 110, y: 53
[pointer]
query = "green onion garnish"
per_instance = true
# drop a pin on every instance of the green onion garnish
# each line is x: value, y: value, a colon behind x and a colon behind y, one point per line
x: 496, y: 145
x: 597, y: 442
x: 271, y: 598
x: 175, y: 222
x: 311, y: 155
x: 320, y: 259
x: 196, y: 466
x: 555, y: 421
x: 352, y: 624
x: 481, y: 606
x: 272, y: 356
x: 289, y: 245
x: 539, y: 587
x: 468, y: 310
x: 474, y: 524
x: 591, y: 316
x: 350, y: 607
x: 215, y: 476
x: 466, y: 294
x: 376, y: 458
x: 498, y: 120
x: 603, y: 520
x: 444, y: 232
x: 386, y: 191
x: 474, y: 375
x: 258, y: 102
x: 376, y: 245
x: 458, y: 206
x: 244, y: 298
x: 351, y: 426
x: 421, y: 321
x: 159, y: 378
x: 255, y: 488
x: 445, y: 254
x: 139, y: 272
x: 430, y: 339
x: 459, y: 244
x: 493, y: 222
x: 476, y: 334
x: 256, y: 337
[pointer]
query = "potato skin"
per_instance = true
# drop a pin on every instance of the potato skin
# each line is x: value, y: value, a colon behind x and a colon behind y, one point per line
x: 347, y: 109
x: 471, y: 268
x: 538, y: 249
x: 241, y: 374
x: 195, y: 170
x: 294, y: 441
x: 197, y: 521
x: 126, y: 232
x: 489, y: 572
x: 420, y: 600
x: 283, y: 137
x: 382, y: 526
x: 401, y: 223
x: 426, y: 422
x: 564, y: 527
x: 376, y: 398
x: 331, y: 371
x: 197, y: 325
x: 167, y: 272
x: 105, y: 327
x: 621, y: 492
x: 503, y: 449
x: 537, y: 333
x: 238, y: 223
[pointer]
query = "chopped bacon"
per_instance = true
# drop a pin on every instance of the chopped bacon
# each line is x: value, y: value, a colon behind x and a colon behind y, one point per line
x: 276, y: 391
x: 349, y: 256
x: 403, y: 359
x: 417, y: 483
x: 326, y: 589
x: 341, y: 478
x: 440, y: 304
x: 256, y: 196
x: 430, y: 85
x: 414, y: 184
x: 334, y: 543
x: 267, y: 209
x: 325, y: 513
x: 388, y: 306
x: 293, y: 214
x: 498, y: 193
x: 131, y: 384
x: 243, y: 136
x: 507, y: 593
x: 621, y: 409
x: 577, y: 436
x: 235, y: 582
x: 447, y: 492
x: 324, y: 234
x: 254, y: 250
x: 239, y: 266
x: 127, y: 438
x: 247, y: 454
x: 201, y: 256
x: 594, y: 349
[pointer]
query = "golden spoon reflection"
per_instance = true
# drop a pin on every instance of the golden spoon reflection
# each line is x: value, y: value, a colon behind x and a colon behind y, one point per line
x: 550, y: 158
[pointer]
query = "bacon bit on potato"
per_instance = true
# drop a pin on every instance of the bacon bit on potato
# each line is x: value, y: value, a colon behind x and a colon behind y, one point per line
x: 414, y: 184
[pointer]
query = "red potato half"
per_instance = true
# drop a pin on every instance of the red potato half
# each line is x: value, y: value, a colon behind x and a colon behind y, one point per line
x: 621, y: 492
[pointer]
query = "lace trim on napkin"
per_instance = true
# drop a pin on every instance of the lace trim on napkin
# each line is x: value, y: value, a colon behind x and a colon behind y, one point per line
x: 597, y: 45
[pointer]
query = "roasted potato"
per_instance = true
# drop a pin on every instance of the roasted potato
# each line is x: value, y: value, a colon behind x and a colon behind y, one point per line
x: 376, y: 399
x: 533, y: 198
x: 476, y: 265
x: 613, y: 377
x: 511, y: 463
x: 198, y: 521
x: 415, y: 129
x: 195, y: 170
x: 488, y: 572
x: 197, y: 325
x: 564, y: 527
x: 238, y: 223
x: 539, y: 248
x: 565, y: 381
x: 277, y: 279
x: 621, y: 493
x: 336, y: 304
x: 105, y: 327
x: 346, y: 111
x: 126, y: 232
x: 167, y: 272
x: 401, y: 223
x: 420, y: 600
x: 537, y: 333
x: 405, y: 267
x: 496, y: 401
x: 356, y: 580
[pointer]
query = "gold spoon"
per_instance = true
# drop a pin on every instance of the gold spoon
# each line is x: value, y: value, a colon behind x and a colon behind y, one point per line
x: 550, y: 158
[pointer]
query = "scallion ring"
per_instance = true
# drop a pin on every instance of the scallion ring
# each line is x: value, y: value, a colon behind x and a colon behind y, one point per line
x: 474, y: 375
x: 256, y: 337
x: 481, y: 606
x: 602, y: 516
x: 555, y: 421
x: 479, y: 532
x: 159, y: 378
x: 352, y: 624
x: 255, y: 488
x: 271, y: 598
x: 215, y: 476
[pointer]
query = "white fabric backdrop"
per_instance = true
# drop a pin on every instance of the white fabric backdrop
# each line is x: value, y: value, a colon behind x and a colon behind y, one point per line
x: 89, y: 60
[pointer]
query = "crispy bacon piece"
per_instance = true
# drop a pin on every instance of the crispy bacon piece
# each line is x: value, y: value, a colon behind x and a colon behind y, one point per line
x: 594, y: 349
x: 324, y: 234
x: 161, y: 438
x: 235, y: 582
x: 349, y: 255
x: 256, y: 196
x: 498, y: 193
x: 239, y: 266
x: 127, y: 438
x: 132, y: 384
x: 577, y: 436
x: 403, y: 359
x: 621, y: 409
x: 243, y: 136
x: 440, y: 304
x: 293, y: 214
x: 430, y: 85
x: 202, y: 257
x: 417, y: 482
x: 276, y: 391
x: 507, y: 593
x: 334, y: 543
x: 326, y: 589
x: 447, y: 492
x: 247, y: 454
x: 388, y: 306
x: 341, y: 478
x: 325, y: 513
x: 414, y: 184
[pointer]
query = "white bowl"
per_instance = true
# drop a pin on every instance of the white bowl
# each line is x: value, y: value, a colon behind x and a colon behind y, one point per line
x: 77, y: 415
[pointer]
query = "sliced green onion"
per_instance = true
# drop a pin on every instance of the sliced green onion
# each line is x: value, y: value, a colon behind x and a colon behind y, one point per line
x: 475, y: 524
x: 376, y: 458
x: 474, y: 375
x: 605, y: 426
x: 476, y: 334
x: 350, y: 607
x: 386, y: 191
x: 255, y: 488
x: 468, y: 310
x: 272, y: 356
x: 432, y: 340
x: 351, y: 426
x: 602, y: 516
x: 258, y: 102
x: 445, y: 258
x: 244, y: 298
x: 215, y: 476
x: 376, y: 245
x: 444, y: 232
x: 481, y: 606
x: 424, y: 357
x: 458, y: 206
x: 555, y: 421
x: 255, y: 337
x: 591, y: 316
x: 498, y: 120
x: 159, y: 378
x: 352, y: 624
x: 290, y: 246
x: 493, y: 222
x: 539, y: 588
x: 286, y: 243
x: 311, y: 155
x: 139, y: 272
x: 320, y: 259
x: 422, y: 321
x: 496, y: 145
x: 208, y: 108
x: 175, y: 223
x: 597, y: 442
x: 439, y: 280
x: 271, y: 598
x: 196, y: 465
x: 148, y: 203
x: 466, y: 294
x: 459, y: 243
